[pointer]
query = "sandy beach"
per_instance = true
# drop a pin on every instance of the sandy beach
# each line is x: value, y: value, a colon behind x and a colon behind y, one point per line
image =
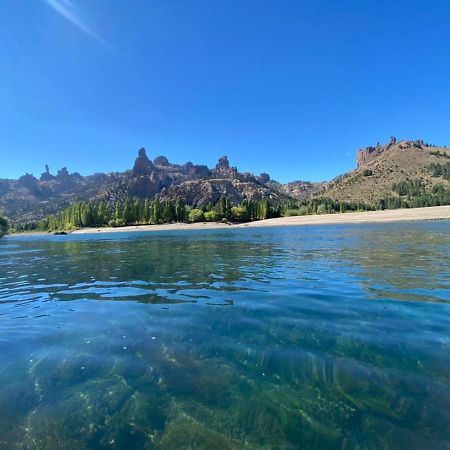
x: 396, y: 215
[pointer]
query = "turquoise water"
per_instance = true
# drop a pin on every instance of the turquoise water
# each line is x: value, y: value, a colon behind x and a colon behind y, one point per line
x: 324, y: 337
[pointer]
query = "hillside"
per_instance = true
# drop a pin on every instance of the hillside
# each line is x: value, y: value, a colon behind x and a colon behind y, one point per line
x: 398, y: 170
x: 382, y: 171
x: 29, y: 198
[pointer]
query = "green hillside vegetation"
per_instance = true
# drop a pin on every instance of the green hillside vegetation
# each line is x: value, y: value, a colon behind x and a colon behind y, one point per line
x: 440, y: 170
x: 3, y: 226
x: 145, y: 212
x: 409, y: 194
x: 405, y: 174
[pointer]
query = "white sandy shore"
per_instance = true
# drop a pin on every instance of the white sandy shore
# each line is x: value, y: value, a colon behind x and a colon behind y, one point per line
x: 396, y: 215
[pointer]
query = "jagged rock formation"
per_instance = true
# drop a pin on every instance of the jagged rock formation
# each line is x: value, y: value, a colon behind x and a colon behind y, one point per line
x: 378, y: 168
x: 223, y: 168
x: 161, y: 161
x: 29, y: 199
x: 368, y: 154
x: 142, y: 165
x: 263, y: 178
x: 365, y: 156
x: 46, y: 176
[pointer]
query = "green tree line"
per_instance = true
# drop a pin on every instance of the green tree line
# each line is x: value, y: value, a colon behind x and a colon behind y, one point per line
x: 3, y: 226
x: 143, y: 212
x: 409, y: 188
x: 440, y: 170
x: 410, y: 194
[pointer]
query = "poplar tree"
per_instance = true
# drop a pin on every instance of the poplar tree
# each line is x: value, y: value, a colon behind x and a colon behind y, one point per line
x: 168, y: 213
x: 137, y: 211
x: 118, y: 211
x: 180, y: 210
x: 147, y: 212
x: 156, y: 211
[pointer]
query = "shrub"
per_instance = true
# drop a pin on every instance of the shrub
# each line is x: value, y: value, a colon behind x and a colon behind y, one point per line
x: 196, y: 215
x: 292, y: 212
x: 238, y: 213
x: 212, y: 216
x: 116, y: 223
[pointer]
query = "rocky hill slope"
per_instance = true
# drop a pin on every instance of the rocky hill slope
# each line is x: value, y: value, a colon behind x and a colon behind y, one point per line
x: 382, y: 169
x: 30, y: 198
x: 392, y: 170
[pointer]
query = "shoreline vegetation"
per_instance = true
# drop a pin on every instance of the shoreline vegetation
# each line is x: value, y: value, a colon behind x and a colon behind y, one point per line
x: 138, y: 211
x: 3, y: 226
x: 360, y: 217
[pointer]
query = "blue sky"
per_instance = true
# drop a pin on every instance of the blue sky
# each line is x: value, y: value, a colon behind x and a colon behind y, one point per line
x: 288, y: 87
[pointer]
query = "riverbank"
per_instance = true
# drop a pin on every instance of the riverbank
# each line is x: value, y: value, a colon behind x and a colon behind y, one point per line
x: 395, y: 215
x: 386, y: 216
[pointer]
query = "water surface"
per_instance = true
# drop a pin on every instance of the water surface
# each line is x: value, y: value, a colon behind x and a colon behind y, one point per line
x: 321, y: 337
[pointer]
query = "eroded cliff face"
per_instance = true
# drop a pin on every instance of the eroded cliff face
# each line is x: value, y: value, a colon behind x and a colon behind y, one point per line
x: 142, y: 165
x: 223, y: 168
x: 29, y: 198
x: 196, y: 184
x: 369, y: 154
x: 381, y: 167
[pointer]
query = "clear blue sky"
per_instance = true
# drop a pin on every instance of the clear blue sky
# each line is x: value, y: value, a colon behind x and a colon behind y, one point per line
x: 288, y: 87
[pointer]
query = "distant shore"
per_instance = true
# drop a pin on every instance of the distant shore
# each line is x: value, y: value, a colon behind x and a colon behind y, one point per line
x: 386, y: 216
x: 394, y: 215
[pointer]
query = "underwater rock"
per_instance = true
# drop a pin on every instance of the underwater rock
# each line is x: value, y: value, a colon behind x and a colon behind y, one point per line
x: 186, y: 434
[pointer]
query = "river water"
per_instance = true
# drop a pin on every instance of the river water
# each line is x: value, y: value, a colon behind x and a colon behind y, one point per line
x: 320, y: 337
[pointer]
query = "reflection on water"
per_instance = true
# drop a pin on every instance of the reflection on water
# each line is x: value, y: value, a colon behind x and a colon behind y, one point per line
x: 327, y: 337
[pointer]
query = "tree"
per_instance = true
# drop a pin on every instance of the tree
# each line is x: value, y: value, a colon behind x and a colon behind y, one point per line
x: 238, y: 213
x: 138, y: 210
x: 264, y: 209
x: 180, y: 210
x: 246, y: 206
x: 225, y: 208
x: 118, y: 211
x: 3, y: 226
x: 87, y: 217
x: 104, y: 213
x: 156, y: 211
x: 212, y: 216
x: 196, y: 215
x: 128, y: 213
x: 168, y: 213
x: 147, y: 211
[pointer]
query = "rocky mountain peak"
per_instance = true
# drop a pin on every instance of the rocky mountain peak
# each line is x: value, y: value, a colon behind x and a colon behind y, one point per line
x: 368, y: 154
x: 223, y: 167
x: 161, y: 161
x: 142, y: 164
x: 46, y: 176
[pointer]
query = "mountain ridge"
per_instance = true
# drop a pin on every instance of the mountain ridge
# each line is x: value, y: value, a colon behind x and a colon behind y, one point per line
x: 29, y: 198
x: 378, y: 169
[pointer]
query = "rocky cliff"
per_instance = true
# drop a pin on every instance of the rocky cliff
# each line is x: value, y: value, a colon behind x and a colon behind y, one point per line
x: 379, y: 168
x: 30, y: 198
